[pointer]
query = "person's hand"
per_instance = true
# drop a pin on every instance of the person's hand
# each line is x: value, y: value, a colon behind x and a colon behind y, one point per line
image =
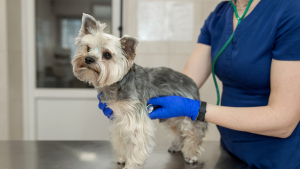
x: 106, y: 110
x: 174, y: 106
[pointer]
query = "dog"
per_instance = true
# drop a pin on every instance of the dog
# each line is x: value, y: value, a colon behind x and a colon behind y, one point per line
x: 107, y: 63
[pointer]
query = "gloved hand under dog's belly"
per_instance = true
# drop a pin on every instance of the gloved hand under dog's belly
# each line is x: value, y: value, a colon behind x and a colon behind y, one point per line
x: 174, y: 106
x: 167, y: 107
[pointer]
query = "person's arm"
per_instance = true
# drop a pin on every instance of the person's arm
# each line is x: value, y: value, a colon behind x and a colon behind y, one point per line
x: 279, y: 118
x: 198, y: 66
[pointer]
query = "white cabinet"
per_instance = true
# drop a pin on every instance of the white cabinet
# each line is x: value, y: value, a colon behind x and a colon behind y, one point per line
x: 70, y: 119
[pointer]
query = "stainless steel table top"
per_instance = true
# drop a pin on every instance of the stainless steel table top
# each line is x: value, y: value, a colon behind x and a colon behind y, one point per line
x: 99, y: 155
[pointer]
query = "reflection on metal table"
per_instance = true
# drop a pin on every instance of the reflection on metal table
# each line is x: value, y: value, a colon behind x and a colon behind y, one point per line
x: 99, y: 155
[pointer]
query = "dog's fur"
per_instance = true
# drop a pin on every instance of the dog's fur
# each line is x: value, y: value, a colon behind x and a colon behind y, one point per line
x: 126, y: 88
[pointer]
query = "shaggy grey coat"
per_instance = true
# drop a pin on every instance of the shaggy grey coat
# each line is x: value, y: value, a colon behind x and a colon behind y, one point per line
x: 145, y: 83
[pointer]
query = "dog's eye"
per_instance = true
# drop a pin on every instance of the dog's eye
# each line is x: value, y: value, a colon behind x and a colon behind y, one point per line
x: 107, y: 55
x: 88, y: 49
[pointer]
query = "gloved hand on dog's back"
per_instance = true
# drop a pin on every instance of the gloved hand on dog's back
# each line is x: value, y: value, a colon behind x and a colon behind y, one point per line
x: 106, y: 110
x: 174, y: 106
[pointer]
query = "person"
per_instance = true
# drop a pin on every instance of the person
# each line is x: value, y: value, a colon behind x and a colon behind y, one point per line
x: 259, y: 114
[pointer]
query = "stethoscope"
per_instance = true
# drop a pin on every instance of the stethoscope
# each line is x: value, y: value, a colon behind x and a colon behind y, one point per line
x: 226, y: 44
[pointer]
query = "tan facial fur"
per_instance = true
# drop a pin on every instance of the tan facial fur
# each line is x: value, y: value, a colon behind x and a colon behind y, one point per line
x: 94, y: 43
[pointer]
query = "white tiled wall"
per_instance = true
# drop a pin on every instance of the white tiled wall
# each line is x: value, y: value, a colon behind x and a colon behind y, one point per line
x: 173, y: 54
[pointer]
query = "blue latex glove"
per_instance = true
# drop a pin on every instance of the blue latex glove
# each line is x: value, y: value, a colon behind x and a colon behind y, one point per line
x: 174, y: 106
x: 107, y: 111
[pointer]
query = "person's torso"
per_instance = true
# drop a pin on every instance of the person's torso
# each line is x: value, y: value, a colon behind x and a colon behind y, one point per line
x: 244, y: 69
x: 244, y: 66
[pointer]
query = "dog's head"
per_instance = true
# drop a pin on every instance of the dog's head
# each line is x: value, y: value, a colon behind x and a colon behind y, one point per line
x: 101, y: 59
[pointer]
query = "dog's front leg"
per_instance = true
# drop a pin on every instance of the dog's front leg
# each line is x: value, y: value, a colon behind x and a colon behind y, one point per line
x: 136, y: 131
x: 141, y: 138
x: 119, y: 145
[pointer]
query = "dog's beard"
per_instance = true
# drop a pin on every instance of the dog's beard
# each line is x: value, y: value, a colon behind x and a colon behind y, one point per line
x: 101, y: 73
x: 84, y: 72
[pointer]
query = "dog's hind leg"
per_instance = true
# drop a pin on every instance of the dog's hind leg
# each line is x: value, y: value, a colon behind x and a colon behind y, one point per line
x: 175, y: 133
x: 177, y: 143
x: 192, y: 141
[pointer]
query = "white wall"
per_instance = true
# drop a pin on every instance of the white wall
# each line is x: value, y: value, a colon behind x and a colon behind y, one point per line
x: 14, y: 56
x: 11, y: 126
x: 3, y: 73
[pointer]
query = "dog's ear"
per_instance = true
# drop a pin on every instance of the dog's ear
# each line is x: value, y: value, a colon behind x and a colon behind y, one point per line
x: 89, y: 24
x: 129, y: 45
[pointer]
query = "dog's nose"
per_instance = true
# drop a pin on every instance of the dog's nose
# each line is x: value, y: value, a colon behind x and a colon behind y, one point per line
x: 89, y: 60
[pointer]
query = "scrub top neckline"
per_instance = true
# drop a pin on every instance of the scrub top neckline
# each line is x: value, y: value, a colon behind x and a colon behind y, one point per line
x: 248, y: 20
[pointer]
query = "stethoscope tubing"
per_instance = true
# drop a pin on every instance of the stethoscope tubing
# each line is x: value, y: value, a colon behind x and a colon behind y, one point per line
x: 226, y: 45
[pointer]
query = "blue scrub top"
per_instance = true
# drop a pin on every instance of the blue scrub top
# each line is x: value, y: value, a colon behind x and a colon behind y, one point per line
x: 270, y: 31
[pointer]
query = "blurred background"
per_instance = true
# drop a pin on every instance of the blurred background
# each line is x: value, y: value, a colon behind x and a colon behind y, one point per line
x: 40, y: 99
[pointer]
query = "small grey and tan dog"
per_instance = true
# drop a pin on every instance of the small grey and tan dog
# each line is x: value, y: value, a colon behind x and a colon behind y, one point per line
x: 106, y: 62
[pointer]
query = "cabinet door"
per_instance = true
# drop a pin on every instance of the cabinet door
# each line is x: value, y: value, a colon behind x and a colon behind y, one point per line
x: 70, y: 119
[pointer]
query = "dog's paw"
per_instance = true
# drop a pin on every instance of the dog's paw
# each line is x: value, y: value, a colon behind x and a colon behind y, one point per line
x: 174, y: 150
x: 121, y: 161
x: 191, y: 160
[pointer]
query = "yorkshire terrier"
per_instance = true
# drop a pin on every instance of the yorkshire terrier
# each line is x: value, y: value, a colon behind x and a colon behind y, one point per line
x: 107, y: 62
